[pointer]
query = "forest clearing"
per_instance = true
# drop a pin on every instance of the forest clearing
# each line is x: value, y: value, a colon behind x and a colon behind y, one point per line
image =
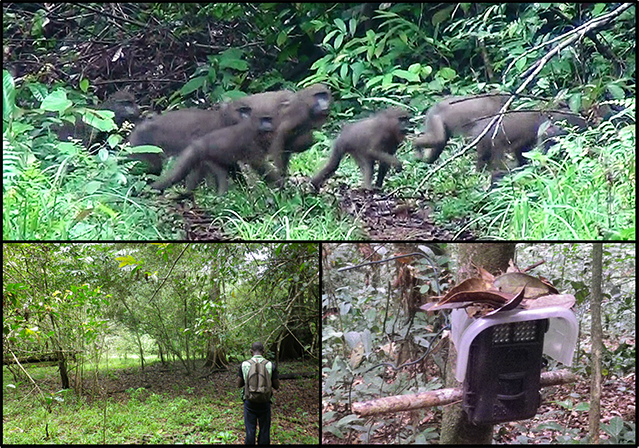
x: 142, y: 343
x: 160, y: 405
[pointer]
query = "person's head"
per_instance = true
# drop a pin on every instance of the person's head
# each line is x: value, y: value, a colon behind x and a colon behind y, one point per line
x: 257, y: 348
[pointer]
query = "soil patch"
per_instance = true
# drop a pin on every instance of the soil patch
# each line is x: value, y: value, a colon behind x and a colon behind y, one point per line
x: 389, y: 216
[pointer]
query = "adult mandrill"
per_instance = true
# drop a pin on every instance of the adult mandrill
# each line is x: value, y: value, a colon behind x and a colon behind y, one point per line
x: 519, y: 132
x: 371, y: 140
x: 453, y: 116
x: 298, y: 116
x: 221, y: 150
x: 173, y: 131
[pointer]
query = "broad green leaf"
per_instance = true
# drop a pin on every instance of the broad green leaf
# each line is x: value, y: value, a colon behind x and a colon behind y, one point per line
x: 341, y: 25
x: 84, y: 85
x: 334, y: 430
x: 447, y: 73
x: 346, y: 420
x: 192, y: 85
x: 56, y: 101
x: 358, y: 68
x: 329, y: 36
x: 92, y: 187
x: 616, y: 91
x: 281, y: 38
x: 583, y: 406
x: 343, y: 72
x: 352, y: 26
x: 521, y: 63
x: 405, y: 74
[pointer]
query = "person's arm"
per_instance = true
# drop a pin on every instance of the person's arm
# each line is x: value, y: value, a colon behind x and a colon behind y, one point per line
x: 240, y: 377
x: 275, y: 380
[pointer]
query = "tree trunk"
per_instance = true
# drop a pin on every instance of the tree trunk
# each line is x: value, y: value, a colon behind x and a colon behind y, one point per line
x: 597, y: 343
x: 136, y: 330
x: 161, y: 354
x: 62, y: 364
x: 456, y: 429
x: 212, y: 352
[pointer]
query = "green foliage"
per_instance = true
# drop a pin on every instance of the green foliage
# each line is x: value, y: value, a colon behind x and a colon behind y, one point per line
x: 220, y: 77
x: 290, y: 213
x: 620, y: 432
x: 57, y: 190
x: 588, y: 194
x: 400, y: 54
x: 163, y: 418
x: 368, y: 64
x: 367, y: 331
x: 76, y: 310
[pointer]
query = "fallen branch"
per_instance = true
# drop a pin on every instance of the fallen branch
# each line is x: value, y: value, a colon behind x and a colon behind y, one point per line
x: 440, y: 397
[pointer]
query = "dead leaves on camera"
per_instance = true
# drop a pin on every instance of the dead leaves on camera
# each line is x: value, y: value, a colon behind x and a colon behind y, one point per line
x: 488, y: 295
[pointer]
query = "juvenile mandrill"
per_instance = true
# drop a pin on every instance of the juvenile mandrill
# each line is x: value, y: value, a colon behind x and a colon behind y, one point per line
x: 221, y: 150
x: 371, y: 140
x: 173, y: 131
x: 453, y: 116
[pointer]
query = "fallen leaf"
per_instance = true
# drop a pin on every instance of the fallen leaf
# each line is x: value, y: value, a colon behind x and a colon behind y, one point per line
x: 470, y: 284
x: 485, y: 275
x: 494, y: 298
x: 514, y: 303
x: 478, y: 310
x: 514, y: 281
x: 564, y: 300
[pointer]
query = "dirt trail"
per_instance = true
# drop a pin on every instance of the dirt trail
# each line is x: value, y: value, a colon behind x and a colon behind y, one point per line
x: 383, y: 216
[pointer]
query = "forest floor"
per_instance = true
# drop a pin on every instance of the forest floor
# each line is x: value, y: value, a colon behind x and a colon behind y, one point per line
x: 561, y: 418
x: 390, y: 216
x: 382, y: 216
x: 158, y: 405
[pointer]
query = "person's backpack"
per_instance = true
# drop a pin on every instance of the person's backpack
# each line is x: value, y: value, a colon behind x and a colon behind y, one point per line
x: 257, y: 387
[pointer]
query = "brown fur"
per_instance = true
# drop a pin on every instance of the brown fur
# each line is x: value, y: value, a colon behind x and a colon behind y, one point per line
x: 453, y: 116
x: 371, y: 140
x: 305, y: 111
x: 222, y: 149
x: 173, y: 131
x: 519, y: 132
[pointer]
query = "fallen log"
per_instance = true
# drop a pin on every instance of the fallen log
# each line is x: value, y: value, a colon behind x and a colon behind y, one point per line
x: 440, y: 397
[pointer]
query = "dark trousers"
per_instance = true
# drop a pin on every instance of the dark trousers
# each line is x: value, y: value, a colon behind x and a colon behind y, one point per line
x: 252, y: 414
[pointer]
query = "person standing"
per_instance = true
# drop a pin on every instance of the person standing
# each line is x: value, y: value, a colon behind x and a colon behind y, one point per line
x: 258, y: 377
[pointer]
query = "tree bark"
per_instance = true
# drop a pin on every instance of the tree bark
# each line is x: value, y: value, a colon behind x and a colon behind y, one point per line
x: 62, y: 365
x: 594, y: 415
x: 440, y: 397
x: 456, y: 428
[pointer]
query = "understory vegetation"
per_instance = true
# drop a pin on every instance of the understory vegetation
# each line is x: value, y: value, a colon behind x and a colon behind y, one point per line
x: 132, y: 407
x: 142, y: 342
x: 61, y: 60
x: 380, y: 343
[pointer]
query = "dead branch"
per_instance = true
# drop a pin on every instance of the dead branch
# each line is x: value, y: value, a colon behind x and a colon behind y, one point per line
x: 440, y: 397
